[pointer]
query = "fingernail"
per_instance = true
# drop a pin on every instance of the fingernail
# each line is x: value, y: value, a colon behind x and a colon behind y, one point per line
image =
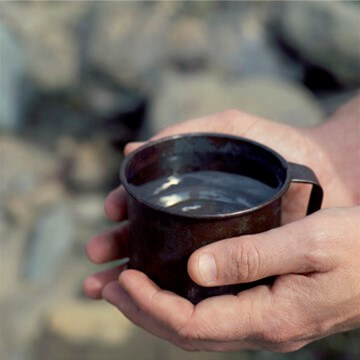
x: 207, y: 267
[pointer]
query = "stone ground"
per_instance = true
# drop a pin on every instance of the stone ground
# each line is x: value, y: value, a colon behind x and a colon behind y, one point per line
x: 80, y: 79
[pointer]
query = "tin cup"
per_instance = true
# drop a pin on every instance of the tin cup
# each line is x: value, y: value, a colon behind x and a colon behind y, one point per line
x: 161, y: 240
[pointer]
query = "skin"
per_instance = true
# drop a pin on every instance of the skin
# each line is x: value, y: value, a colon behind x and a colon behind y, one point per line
x: 316, y: 258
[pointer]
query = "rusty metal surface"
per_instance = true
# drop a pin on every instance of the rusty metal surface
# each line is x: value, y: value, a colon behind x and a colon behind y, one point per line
x: 161, y: 240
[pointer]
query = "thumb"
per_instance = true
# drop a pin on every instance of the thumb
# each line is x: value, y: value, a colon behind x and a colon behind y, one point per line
x: 288, y: 249
x: 132, y: 146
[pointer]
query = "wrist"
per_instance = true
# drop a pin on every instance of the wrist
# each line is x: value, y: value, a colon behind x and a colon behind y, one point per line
x: 336, y: 153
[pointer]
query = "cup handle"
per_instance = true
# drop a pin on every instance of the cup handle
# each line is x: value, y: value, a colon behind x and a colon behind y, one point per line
x: 303, y: 174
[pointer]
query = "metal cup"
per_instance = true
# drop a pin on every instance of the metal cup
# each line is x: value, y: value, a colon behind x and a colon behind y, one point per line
x: 161, y: 240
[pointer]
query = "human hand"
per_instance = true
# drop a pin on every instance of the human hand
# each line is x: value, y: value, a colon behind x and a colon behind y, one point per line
x: 311, y: 147
x: 293, y: 143
x: 316, y: 293
x: 297, y: 145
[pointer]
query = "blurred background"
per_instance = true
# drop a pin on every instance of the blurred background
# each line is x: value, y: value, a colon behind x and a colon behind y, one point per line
x: 80, y: 79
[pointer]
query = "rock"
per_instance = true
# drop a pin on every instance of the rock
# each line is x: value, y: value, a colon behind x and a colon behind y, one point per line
x: 129, y: 39
x: 13, y: 93
x: 117, y: 111
x: 22, y: 207
x: 25, y: 166
x: 29, y: 183
x: 183, y: 97
x: 53, y: 61
x: 332, y: 101
x: 106, y: 99
x: 89, y: 209
x: 25, y: 304
x: 325, y: 34
x: 96, y: 331
x: 88, y: 166
x: 188, y: 43
x: 278, y: 100
x: 48, y: 33
x: 85, y: 321
x: 50, y: 241
x: 240, y: 44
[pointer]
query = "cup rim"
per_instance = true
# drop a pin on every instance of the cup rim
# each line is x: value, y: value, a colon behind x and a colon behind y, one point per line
x: 232, y: 214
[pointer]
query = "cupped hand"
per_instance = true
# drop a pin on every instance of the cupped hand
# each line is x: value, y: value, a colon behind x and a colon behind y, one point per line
x: 316, y: 293
x: 302, y: 304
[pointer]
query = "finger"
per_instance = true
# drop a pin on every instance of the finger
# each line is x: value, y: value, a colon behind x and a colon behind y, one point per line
x: 291, y: 248
x: 226, y: 318
x: 94, y: 284
x: 229, y: 318
x: 132, y: 146
x: 226, y: 122
x: 115, y: 204
x: 202, y: 124
x: 109, y: 245
x: 117, y: 296
x: 222, y: 122
x: 168, y: 309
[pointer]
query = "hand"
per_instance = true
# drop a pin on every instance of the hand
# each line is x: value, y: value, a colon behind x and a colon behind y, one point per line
x: 318, y: 148
x: 316, y: 293
x: 297, y: 145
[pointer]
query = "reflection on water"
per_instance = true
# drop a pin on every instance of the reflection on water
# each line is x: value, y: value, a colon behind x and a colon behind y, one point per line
x: 205, y: 192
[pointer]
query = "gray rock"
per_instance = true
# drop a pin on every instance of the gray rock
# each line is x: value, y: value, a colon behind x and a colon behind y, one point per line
x: 182, y: 97
x: 49, y: 243
x: 28, y: 183
x: 129, y: 39
x: 188, y: 43
x: 89, y: 165
x: 48, y: 33
x: 326, y: 34
x: 89, y: 209
x: 97, y: 331
x: 95, y: 322
x: 240, y: 45
x: 12, y: 72
x: 24, y: 166
x: 106, y: 100
x: 333, y: 101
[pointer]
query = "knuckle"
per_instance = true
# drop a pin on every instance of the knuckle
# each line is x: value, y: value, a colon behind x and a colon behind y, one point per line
x: 322, y: 243
x: 245, y: 262
x: 230, y: 120
x: 169, y: 129
x: 230, y: 113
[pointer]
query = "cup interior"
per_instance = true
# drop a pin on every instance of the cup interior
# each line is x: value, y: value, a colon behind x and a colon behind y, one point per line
x: 197, y: 152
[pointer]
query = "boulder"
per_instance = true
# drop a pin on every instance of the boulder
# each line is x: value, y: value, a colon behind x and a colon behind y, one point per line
x: 49, y: 242
x: 88, y: 165
x: 182, y: 97
x: 85, y: 330
x: 12, y: 77
x: 24, y: 166
x: 48, y: 33
x: 325, y: 34
x: 188, y: 43
x: 128, y: 41
x: 240, y: 44
x: 87, y: 321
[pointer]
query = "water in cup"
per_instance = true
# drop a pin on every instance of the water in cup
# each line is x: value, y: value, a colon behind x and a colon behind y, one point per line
x: 205, y: 192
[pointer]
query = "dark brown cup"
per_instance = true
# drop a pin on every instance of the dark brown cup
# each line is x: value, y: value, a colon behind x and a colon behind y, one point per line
x: 161, y: 240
